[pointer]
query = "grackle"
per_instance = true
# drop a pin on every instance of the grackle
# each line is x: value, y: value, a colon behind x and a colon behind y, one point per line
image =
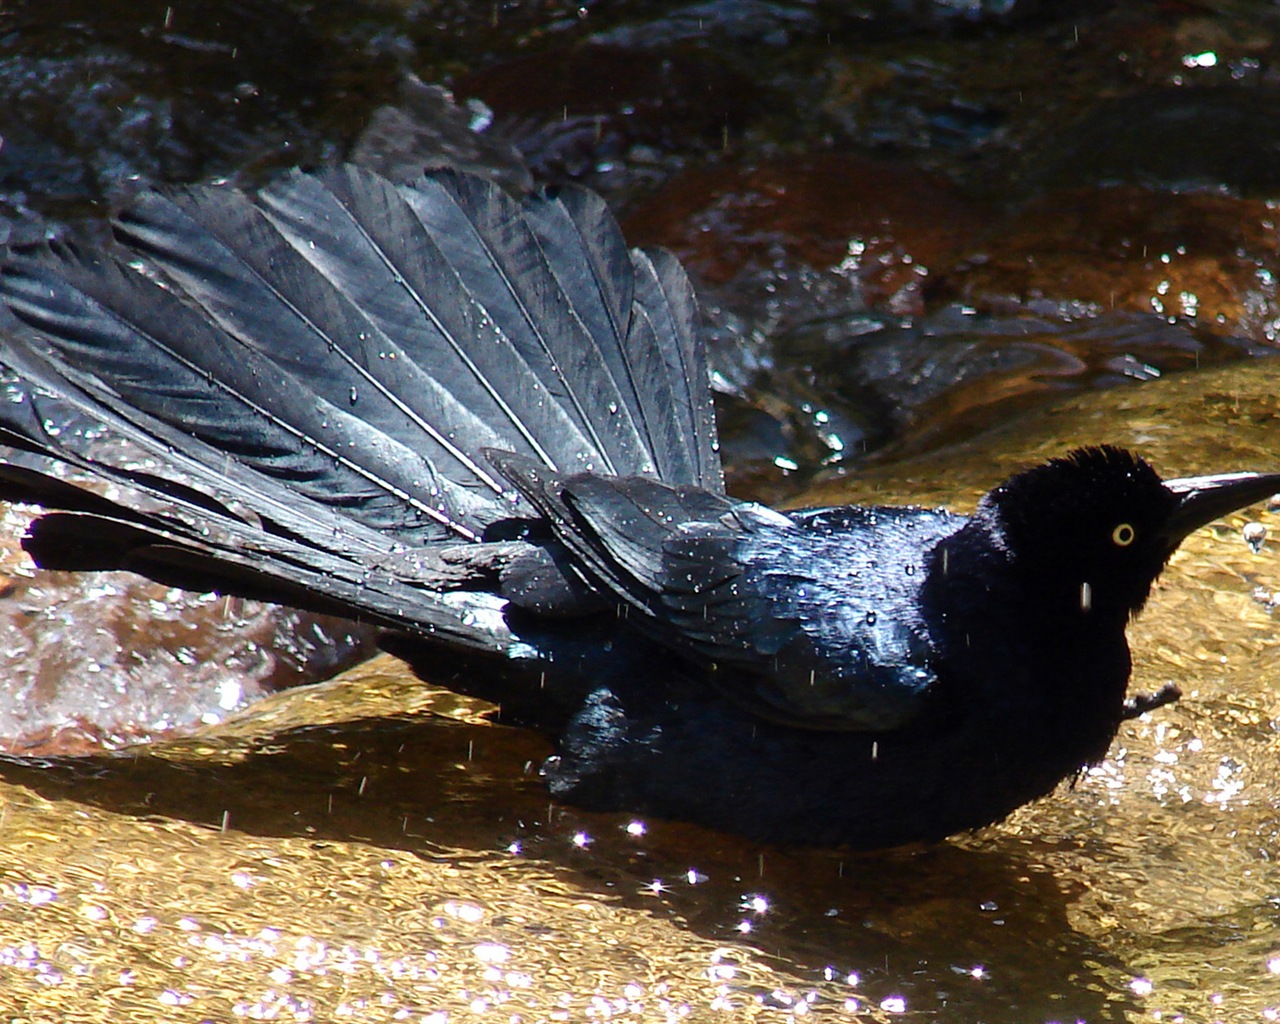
x: 485, y: 424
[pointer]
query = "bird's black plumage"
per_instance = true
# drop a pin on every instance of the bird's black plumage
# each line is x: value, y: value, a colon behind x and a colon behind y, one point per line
x: 484, y: 424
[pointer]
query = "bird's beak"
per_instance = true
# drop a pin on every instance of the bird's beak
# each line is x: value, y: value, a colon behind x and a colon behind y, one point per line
x: 1202, y: 499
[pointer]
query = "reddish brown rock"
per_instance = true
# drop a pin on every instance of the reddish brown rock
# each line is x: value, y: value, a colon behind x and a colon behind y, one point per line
x: 1211, y: 259
x: 886, y: 226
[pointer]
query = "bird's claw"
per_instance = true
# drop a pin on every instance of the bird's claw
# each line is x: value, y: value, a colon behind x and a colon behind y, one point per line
x: 1141, y: 703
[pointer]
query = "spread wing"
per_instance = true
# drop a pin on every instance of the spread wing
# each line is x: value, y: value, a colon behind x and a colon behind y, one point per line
x: 303, y: 378
x: 811, y: 618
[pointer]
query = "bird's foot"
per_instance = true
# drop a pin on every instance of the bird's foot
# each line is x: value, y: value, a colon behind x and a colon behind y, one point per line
x: 1141, y: 703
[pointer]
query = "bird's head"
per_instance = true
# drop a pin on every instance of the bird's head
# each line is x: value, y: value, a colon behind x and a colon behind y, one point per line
x: 1091, y: 531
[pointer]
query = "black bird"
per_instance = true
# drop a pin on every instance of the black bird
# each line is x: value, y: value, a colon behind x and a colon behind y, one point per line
x: 484, y: 424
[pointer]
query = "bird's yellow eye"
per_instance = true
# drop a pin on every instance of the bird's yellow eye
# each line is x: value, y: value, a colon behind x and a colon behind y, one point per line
x: 1122, y: 536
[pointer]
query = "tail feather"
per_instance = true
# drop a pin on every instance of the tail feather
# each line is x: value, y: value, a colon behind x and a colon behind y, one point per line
x: 439, y: 350
x: 592, y: 268
x: 232, y: 557
x: 131, y: 351
x: 172, y: 527
x: 245, y: 276
x: 664, y: 294
x: 531, y: 301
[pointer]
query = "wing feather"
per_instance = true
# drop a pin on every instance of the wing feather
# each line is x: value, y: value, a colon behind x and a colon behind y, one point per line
x: 314, y: 373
